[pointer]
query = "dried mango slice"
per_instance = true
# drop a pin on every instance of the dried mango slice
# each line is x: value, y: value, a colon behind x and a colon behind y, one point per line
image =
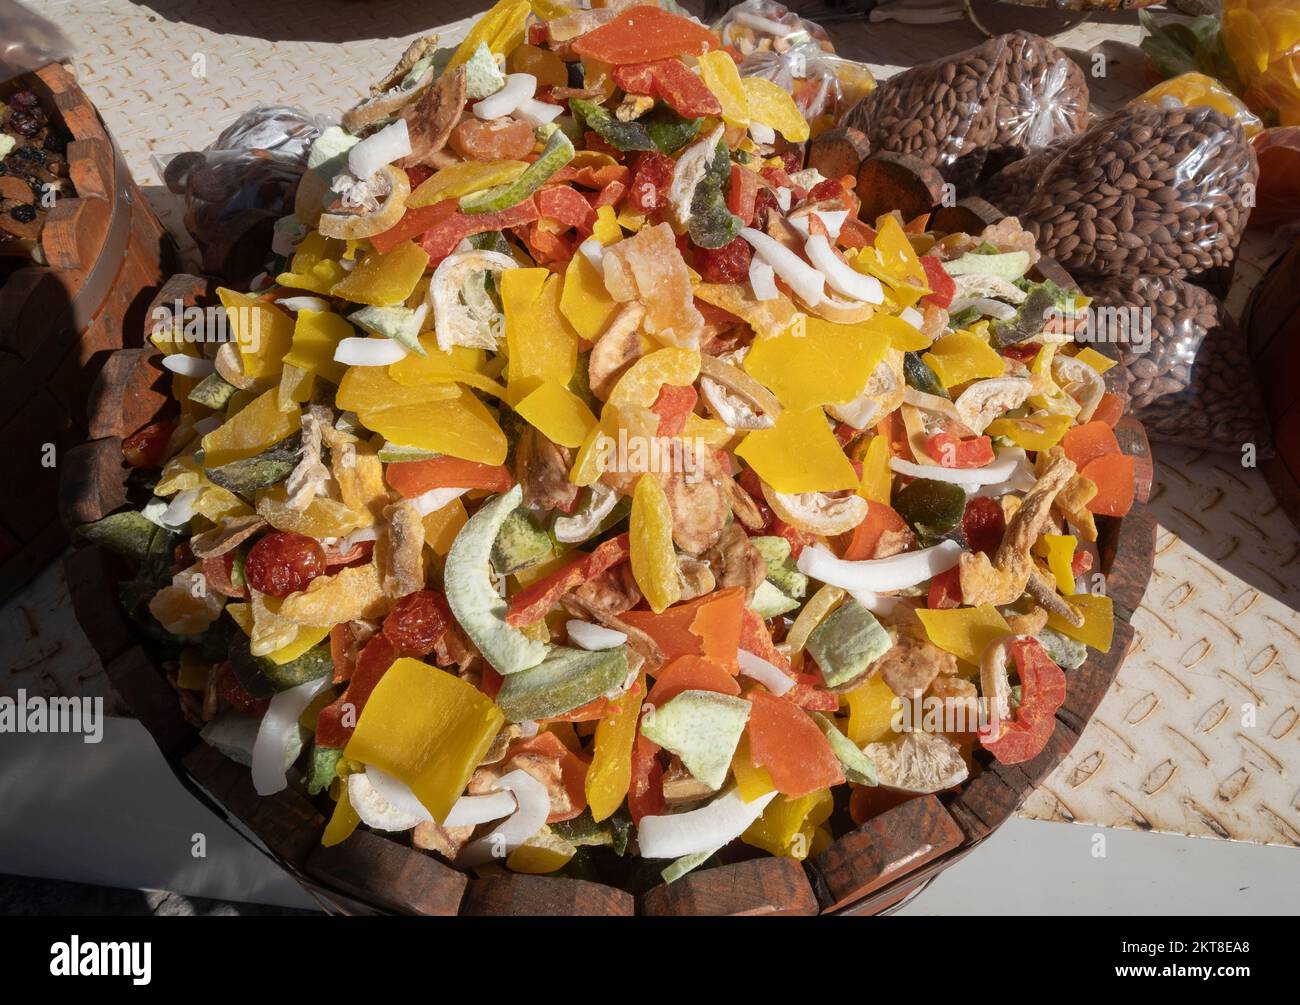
x: 427, y: 728
x: 771, y: 105
x: 650, y: 264
x: 501, y: 29
x: 877, y: 479
x: 323, y: 517
x: 961, y: 357
x: 351, y: 593
x: 1094, y: 359
x: 251, y: 430
x: 560, y: 415
x: 1033, y: 432
x: 654, y: 562
x: 751, y: 780
x: 610, y: 774
x: 787, y: 824
x: 316, y: 335
x: 718, y: 70
x: 462, y: 178
x: 799, y: 453
x: 461, y: 365
x: 1098, y: 626
x: 1058, y: 549
x: 828, y: 363
x: 641, y: 384
x: 588, y: 463
x: 460, y: 426
x: 262, y: 331
x: 370, y: 388
x: 768, y: 318
x: 585, y: 303
x: 872, y: 708
x: 964, y: 631
x: 315, y: 265
x: 442, y: 525
x: 384, y: 279
x: 542, y: 345
x: 360, y: 476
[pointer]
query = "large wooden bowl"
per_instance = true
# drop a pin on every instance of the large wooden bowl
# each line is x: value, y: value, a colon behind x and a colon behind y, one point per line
x: 866, y: 871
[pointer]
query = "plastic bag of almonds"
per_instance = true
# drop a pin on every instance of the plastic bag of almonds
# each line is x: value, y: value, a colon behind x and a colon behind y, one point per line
x: 1158, y: 190
x: 1043, y: 98
x: 1181, y: 361
x: 1011, y: 187
x: 943, y: 112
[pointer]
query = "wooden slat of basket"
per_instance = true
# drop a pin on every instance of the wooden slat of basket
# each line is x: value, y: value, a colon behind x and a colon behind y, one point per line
x: 884, y: 849
x: 989, y: 798
x: 131, y: 391
x: 93, y: 574
x: 377, y: 870
x: 142, y: 686
x: 969, y: 216
x: 521, y: 895
x: 758, y: 886
x: 93, y: 483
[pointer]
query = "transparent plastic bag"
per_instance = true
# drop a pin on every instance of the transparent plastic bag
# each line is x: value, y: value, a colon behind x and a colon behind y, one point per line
x: 943, y: 112
x: 1151, y: 189
x: 244, y: 181
x: 1195, y: 89
x: 28, y: 42
x: 1043, y: 98
x: 797, y: 54
x: 1182, y: 365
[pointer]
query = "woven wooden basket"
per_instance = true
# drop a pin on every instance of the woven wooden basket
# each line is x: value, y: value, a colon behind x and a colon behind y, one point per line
x: 106, y: 256
x: 866, y: 871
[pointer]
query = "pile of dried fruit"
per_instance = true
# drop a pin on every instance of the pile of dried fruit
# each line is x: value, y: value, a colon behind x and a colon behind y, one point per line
x: 590, y: 477
x: 33, y: 171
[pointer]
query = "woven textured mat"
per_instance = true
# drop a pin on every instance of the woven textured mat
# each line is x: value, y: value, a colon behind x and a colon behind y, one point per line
x: 1200, y: 734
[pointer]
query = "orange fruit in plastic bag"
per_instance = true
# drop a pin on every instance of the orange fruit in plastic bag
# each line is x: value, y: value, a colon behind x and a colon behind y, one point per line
x: 1198, y: 90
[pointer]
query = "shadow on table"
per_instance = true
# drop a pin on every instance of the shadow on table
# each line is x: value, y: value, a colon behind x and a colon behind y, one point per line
x: 316, y: 21
x: 1229, y: 515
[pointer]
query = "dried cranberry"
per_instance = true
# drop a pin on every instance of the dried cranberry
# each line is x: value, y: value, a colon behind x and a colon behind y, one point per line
x: 23, y: 213
x: 652, y: 174
x: 417, y: 621
x: 728, y: 264
x: 983, y: 524
x: 765, y: 204
x: 283, y: 563
x: 792, y: 159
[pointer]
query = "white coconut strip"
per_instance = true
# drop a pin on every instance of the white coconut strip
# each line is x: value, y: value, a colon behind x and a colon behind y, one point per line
x: 783, y: 197
x: 377, y: 812
x: 390, y: 144
x: 998, y: 470
x: 368, y: 352
x: 806, y: 281
x: 832, y: 220
x: 397, y: 793
x: 538, y: 113
x: 470, y: 811
x: 841, y: 276
x: 188, y: 366
x: 594, y: 252
x: 763, y: 279
x: 585, y: 635
x: 770, y: 676
x: 711, y: 826
x: 534, y: 806
x: 762, y: 134
x: 278, y: 733
x: 519, y: 87
x: 435, y: 499
x: 913, y: 317
x: 881, y: 603
x: 880, y: 575
x: 303, y: 304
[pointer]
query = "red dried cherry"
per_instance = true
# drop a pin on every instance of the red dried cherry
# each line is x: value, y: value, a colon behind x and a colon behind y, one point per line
x: 728, y: 264
x: 146, y: 448
x: 652, y: 174
x: 417, y: 622
x: 283, y: 563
